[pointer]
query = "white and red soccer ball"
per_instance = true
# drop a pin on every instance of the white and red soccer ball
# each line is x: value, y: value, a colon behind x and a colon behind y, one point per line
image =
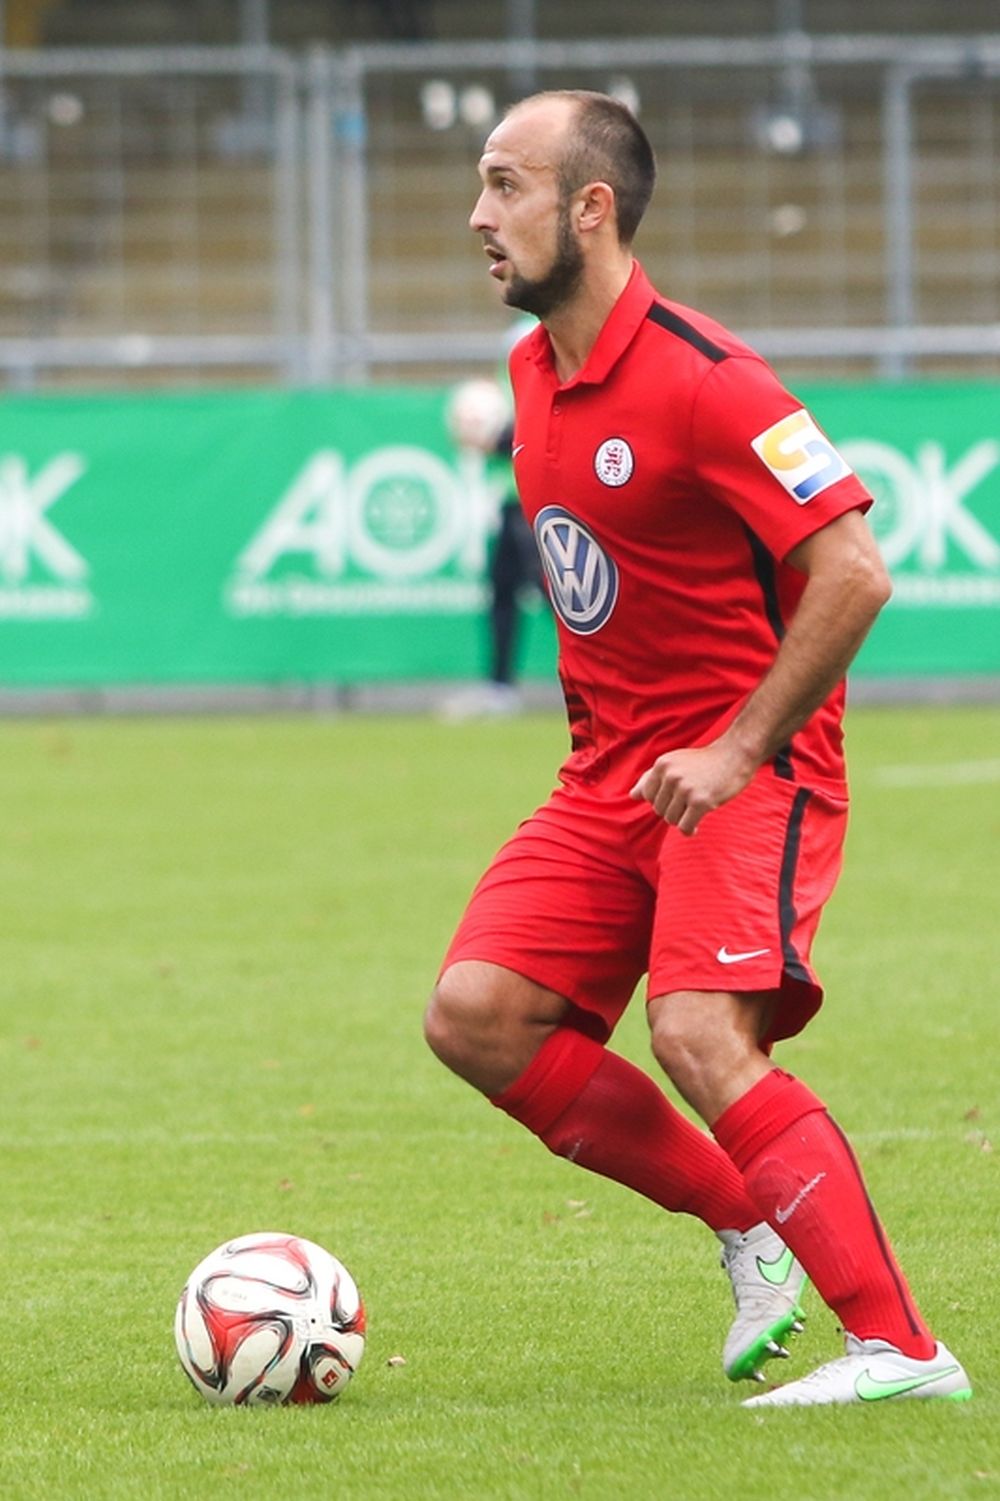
x: 270, y: 1319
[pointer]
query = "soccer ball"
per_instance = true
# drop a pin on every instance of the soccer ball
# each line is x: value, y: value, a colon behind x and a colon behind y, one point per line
x: 270, y: 1318
x: 477, y: 413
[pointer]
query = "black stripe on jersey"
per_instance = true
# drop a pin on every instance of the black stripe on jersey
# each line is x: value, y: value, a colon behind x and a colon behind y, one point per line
x: 786, y: 887
x: 767, y: 578
x: 675, y: 324
x: 763, y: 567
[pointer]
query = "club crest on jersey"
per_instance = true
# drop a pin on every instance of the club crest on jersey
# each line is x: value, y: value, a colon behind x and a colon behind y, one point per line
x: 583, y: 580
x: 614, y: 462
x: 799, y: 456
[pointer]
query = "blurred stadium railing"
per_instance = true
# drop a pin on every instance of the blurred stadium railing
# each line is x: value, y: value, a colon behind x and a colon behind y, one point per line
x: 191, y: 215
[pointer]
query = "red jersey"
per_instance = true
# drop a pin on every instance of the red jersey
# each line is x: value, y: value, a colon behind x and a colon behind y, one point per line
x: 666, y: 482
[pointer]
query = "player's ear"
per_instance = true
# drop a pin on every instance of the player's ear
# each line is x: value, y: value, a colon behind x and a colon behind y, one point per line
x: 595, y: 206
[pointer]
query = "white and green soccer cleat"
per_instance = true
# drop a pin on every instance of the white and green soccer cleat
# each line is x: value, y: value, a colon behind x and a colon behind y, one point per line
x: 872, y: 1371
x: 767, y: 1288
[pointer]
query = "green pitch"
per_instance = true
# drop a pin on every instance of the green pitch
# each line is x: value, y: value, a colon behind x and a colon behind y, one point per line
x: 217, y: 940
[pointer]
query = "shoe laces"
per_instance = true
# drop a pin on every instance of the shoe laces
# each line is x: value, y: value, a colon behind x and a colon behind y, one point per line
x: 740, y: 1261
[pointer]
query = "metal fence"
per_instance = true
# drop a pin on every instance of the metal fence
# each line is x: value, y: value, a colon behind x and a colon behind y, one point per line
x: 229, y: 214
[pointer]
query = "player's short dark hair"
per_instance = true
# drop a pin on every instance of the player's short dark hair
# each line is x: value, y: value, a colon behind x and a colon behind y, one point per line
x: 606, y: 143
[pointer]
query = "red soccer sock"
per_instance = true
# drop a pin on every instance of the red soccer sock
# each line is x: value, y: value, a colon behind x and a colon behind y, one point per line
x: 799, y: 1168
x: 604, y: 1114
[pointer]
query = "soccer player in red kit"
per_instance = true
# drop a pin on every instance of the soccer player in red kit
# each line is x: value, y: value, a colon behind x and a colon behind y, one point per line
x: 712, y: 575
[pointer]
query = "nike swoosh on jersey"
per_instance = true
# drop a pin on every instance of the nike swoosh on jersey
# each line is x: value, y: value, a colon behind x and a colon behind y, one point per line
x: 517, y: 450
x: 870, y: 1389
x: 725, y: 957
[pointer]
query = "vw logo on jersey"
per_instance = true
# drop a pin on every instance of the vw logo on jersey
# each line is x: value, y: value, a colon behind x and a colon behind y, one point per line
x: 583, y: 580
x: 614, y: 462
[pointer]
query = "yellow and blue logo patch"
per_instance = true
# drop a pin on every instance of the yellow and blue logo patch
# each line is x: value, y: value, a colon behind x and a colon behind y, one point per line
x: 799, y: 456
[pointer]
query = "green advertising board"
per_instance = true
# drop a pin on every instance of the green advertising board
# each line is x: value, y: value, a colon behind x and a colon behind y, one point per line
x: 337, y: 536
x: 930, y: 454
x: 248, y: 537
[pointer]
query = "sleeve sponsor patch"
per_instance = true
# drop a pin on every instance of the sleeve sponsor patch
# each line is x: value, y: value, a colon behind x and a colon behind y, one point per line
x: 799, y: 456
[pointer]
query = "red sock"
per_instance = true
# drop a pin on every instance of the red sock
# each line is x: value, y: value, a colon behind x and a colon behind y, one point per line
x: 604, y: 1114
x: 802, y: 1173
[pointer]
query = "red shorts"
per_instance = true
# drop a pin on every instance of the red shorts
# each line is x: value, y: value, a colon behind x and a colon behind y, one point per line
x: 595, y: 890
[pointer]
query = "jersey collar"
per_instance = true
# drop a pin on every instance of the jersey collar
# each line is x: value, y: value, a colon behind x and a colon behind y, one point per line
x: 620, y: 328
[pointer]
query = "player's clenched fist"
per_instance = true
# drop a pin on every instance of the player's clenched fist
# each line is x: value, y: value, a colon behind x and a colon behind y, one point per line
x: 684, y: 785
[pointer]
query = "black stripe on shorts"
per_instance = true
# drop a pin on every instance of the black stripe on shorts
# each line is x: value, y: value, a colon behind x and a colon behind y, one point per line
x: 788, y: 917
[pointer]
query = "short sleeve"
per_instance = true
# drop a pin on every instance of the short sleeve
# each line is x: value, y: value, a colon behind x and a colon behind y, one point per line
x: 757, y: 449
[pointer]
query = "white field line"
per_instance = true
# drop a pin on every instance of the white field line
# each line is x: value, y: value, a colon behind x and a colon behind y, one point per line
x: 149, y: 1138
x: 909, y: 1133
x: 950, y: 774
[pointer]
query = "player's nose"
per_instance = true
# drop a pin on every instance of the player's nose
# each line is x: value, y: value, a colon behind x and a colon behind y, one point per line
x: 479, y: 219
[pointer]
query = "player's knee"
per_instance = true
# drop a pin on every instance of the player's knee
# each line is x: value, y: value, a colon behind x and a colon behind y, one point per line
x: 461, y: 1019
x: 708, y: 1043
x: 700, y: 1039
x: 443, y: 1019
x: 486, y: 1023
x: 679, y: 1046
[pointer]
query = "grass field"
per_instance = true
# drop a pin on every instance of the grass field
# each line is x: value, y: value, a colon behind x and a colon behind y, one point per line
x: 217, y: 940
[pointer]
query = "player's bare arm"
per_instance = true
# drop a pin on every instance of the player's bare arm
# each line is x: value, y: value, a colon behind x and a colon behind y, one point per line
x: 847, y: 587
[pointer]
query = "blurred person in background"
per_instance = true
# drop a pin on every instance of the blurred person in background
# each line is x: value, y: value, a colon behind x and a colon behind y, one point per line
x: 481, y: 421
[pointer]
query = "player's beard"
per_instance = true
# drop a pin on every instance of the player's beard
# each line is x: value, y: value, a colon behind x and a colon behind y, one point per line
x: 545, y: 294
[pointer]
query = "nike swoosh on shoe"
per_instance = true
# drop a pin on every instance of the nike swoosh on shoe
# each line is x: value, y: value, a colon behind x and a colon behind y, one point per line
x: 870, y: 1389
x: 776, y: 1272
